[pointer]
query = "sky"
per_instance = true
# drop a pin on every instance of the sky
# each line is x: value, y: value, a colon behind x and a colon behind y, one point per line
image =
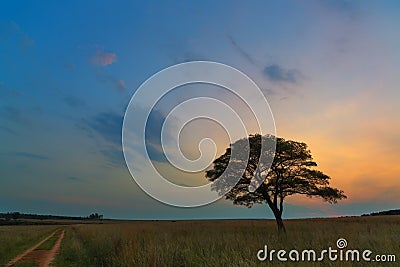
x: 330, y: 71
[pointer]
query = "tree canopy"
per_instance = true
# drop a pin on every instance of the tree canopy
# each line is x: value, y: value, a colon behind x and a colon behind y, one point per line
x: 292, y: 171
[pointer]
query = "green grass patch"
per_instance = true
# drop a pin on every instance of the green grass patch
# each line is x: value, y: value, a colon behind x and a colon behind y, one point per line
x: 49, y: 243
x: 26, y: 264
x: 16, y: 239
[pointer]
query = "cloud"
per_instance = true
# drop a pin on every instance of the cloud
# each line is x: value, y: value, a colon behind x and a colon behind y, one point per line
x: 30, y: 155
x: 74, y: 102
x: 103, y: 59
x: 276, y: 73
x: 154, y: 126
x: 347, y: 8
x: 108, y: 125
x: 121, y: 85
x: 180, y: 52
x: 12, y: 114
x: 69, y: 66
x: 105, y: 129
x: 118, y: 84
x: 25, y: 41
x: 241, y: 50
x: 114, y: 155
x: 7, y: 92
x: 73, y: 178
x: 18, y: 115
x: 7, y: 130
x: 10, y: 93
x: 9, y: 30
x: 187, y: 56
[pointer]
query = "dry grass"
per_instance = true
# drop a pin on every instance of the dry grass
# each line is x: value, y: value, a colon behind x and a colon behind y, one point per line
x: 49, y: 243
x: 16, y: 239
x: 221, y: 243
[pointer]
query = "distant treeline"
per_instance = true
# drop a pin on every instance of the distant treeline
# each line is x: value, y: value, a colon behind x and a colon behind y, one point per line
x: 17, y: 215
x: 381, y: 213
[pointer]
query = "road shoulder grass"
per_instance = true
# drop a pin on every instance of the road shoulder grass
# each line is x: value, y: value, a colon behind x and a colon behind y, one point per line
x: 16, y: 239
x: 49, y: 243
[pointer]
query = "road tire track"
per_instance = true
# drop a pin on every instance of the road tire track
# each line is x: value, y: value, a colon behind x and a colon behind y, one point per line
x: 43, y: 257
x: 51, y: 255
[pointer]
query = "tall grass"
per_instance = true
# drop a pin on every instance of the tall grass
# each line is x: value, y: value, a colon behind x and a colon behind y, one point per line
x: 16, y: 239
x: 49, y: 243
x: 222, y: 243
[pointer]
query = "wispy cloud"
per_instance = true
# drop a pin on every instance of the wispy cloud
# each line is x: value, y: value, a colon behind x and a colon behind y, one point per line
x: 241, y: 50
x: 70, y: 66
x: 346, y: 8
x: 7, y: 130
x: 121, y: 85
x: 105, y: 129
x: 10, y: 93
x: 7, y: 92
x: 30, y: 155
x: 74, y: 101
x: 102, y: 59
x: 114, y: 155
x: 12, y: 114
x: 108, y: 125
x: 74, y: 178
x: 187, y: 56
x: 276, y: 73
x: 180, y: 52
x: 273, y: 72
x: 154, y: 127
x: 9, y: 30
x: 118, y: 84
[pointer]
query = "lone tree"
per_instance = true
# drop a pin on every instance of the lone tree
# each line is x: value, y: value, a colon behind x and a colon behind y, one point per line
x: 95, y: 216
x: 291, y: 172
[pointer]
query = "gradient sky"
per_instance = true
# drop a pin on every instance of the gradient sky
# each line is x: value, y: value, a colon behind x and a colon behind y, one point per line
x: 329, y: 69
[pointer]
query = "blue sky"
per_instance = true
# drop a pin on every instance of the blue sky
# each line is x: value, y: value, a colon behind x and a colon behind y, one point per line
x: 330, y: 70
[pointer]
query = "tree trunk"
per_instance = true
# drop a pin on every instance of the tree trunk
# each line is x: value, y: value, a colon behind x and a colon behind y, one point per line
x: 277, y: 213
x: 279, y: 222
x: 278, y: 219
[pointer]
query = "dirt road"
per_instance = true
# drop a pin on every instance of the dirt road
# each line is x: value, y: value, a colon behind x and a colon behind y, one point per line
x: 42, y: 257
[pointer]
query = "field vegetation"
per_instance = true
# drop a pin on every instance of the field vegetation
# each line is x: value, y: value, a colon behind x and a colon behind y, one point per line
x: 49, y: 243
x: 16, y: 239
x: 223, y: 242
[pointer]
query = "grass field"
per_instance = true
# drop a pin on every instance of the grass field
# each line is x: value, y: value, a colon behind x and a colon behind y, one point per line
x: 16, y: 239
x: 49, y: 243
x: 223, y: 243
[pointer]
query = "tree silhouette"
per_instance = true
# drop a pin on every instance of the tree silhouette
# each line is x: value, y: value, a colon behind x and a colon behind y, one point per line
x: 95, y: 216
x: 291, y: 172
